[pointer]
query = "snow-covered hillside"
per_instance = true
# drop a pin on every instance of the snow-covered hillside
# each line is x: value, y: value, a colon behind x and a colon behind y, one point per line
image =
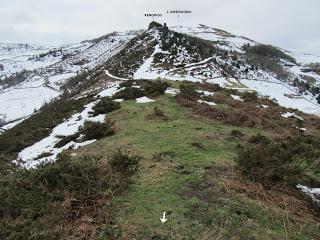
x: 228, y: 67
x: 32, y: 75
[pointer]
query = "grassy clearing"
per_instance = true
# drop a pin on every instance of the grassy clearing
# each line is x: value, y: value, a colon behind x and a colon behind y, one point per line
x: 174, y: 177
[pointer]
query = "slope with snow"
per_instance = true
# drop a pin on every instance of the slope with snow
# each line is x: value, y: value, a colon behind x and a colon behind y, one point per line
x: 51, y: 67
x: 243, y: 77
x: 30, y: 157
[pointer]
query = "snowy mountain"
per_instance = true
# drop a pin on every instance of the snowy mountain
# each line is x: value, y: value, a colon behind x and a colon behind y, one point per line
x: 215, y: 56
x: 33, y: 75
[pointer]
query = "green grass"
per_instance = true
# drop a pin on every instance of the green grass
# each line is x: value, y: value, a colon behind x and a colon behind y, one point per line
x: 186, y: 161
x: 161, y: 184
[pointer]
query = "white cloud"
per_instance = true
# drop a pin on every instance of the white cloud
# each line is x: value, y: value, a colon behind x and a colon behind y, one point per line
x: 290, y: 24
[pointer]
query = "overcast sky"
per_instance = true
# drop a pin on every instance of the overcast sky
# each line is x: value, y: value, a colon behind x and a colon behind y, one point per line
x: 290, y: 24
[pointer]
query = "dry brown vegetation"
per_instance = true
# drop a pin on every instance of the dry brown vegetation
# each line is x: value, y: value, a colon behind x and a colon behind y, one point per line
x: 247, y: 113
x: 279, y: 200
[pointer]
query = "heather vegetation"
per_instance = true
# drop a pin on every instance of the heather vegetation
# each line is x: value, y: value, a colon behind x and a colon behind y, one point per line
x: 56, y: 200
x: 287, y: 162
x: 174, y: 155
x: 267, y: 57
x: 104, y: 106
x: 142, y: 88
x: 38, y: 126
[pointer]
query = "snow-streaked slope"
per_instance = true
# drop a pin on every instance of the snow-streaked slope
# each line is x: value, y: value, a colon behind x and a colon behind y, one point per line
x: 51, y: 67
x: 21, y: 102
x: 212, y: 68
x: 28, y: 158
x: 224, y: 39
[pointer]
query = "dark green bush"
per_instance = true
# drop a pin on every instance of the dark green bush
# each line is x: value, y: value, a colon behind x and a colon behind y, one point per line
x: 51, y: 201
x: 43, y: 155
x: 97, y: 130
x: 125, y: 163
x: 157, y: 114
x: 269, y: 51
x: 188, y: 92
x: 285, y: 162
x: 129, y: 93
x: 154, y: 88
x: 250, y: 96
x: 32, y: 201
x: 236, y: 134
x: 259, y: 139
x: 128, y: 83
x: 104, y: 106
x: 64, y: 140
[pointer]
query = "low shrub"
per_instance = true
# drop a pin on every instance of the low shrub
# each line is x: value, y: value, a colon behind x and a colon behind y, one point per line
x: 269, y: 51
x: 258, y: 139
x: 222, y: 97
x: 125, y: 163
x: 43, y: 155
x: 128, y: 83
x: 250, y: 96
x: 52, y: 201
x: 187, y: 96
x: 97, y: 130
x: 188, y: 91
x: 104, y: 106
x: 236, y: 134
x: 157, y: 114
x: 284, y: 162
x: 210, y: 112
x: 239, y: 119
x: 35, y: 203
x: 154, y: 88
x: 129, y: 93
x: 64, y: 140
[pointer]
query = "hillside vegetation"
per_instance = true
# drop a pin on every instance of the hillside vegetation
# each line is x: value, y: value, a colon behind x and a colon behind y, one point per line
x: 180, y: 155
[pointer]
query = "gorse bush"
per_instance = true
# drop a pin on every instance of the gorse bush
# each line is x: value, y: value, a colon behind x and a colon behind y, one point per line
x: 147, y: 88
x: 50, y: 202
x: 187, y: 96
x: 125, y: 163
x: 157, y: 114
x: 237, y: 134
x: 154, y: 88
x: 250, y: 96
x: 64, y: 140
x: 97, y: 130
x: 33, y: 203
x: 128, y: 83
x: 129, y: 93
x: 285, y: 162
x: 104, y: 106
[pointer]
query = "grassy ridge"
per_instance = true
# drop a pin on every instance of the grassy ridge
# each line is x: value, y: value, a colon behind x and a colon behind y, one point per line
x: 187, y: 170
x: 185, y: 167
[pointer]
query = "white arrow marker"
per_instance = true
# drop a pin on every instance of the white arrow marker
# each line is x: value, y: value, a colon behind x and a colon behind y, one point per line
x: 163, y: 219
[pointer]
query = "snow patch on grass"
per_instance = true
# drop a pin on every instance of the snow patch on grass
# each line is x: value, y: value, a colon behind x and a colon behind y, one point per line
x: 206, y: 102
x: 144, y: 100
